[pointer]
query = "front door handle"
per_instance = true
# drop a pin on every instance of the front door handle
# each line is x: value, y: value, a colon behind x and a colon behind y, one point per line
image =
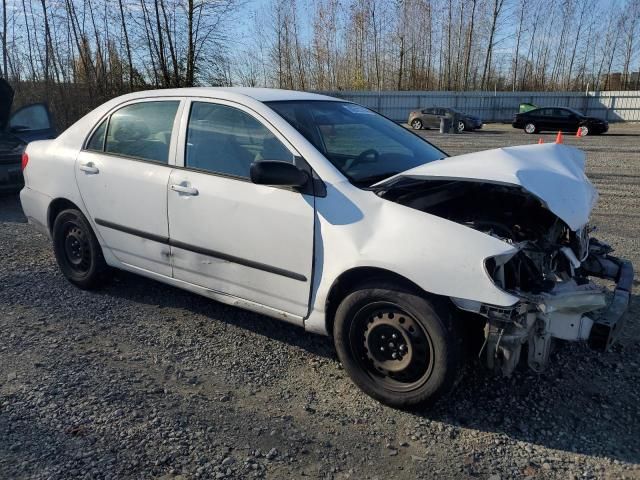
x: 184, y: 189
x: 89, y: 168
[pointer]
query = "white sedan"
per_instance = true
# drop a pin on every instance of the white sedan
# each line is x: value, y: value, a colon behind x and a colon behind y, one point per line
x: 327, y: 215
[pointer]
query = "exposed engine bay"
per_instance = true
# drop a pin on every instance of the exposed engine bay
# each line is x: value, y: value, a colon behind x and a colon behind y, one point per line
x: 549, y: 272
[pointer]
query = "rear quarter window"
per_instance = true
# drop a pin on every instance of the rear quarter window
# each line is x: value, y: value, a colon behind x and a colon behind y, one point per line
x: 96, y: 142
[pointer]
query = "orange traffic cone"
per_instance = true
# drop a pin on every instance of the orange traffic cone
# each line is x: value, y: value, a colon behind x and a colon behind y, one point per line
x: 540, y: 141
x: 559, y: 137
x: 579, y: 132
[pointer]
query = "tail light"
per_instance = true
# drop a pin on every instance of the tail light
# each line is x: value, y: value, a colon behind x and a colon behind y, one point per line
x: 25, y: 160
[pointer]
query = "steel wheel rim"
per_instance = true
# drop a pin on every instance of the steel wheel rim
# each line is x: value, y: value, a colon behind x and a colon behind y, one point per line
x: 399, y: 364
x: 77, y: 248
x: 530, y: 128
x: 417, y: 124
x: 461, y: 126
x: 584, y: 130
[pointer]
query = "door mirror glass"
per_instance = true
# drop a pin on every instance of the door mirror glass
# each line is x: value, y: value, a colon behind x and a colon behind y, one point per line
x: 277, y: 173
x: 31, y: 117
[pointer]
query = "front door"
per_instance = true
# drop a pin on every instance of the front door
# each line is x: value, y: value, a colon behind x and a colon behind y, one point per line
x: 123, y: 174
x: 228, y: 234
x: 567, y: 120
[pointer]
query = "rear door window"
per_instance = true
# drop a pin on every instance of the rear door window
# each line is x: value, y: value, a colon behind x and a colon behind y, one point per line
x: 142, y: 130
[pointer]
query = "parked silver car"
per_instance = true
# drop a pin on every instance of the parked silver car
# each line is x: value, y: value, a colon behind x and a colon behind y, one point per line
x: 430, y: 118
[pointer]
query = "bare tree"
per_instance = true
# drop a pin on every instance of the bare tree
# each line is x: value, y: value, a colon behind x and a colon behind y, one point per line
x: 5, y: 56
x: 497, y: 8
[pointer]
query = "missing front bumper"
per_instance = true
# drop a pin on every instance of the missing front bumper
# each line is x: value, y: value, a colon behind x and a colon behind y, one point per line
x: 606, y: 330
x: 564, y: 313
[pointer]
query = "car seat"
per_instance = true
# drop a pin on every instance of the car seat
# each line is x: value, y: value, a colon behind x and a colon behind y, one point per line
x: 131, y: 138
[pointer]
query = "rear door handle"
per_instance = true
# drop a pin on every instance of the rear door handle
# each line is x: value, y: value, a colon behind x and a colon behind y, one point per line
x: 89, y: 168
x: 184, y: 189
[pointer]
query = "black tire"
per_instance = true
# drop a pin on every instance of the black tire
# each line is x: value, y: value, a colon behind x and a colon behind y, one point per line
x: 421, y: 372
x: 462, y: 126
x: 416, y: 124
x: 585, y: 130
x: 530, y: 128
x: 77, y: 250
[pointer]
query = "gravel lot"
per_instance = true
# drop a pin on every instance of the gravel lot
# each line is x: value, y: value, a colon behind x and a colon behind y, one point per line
x: 141, y: 380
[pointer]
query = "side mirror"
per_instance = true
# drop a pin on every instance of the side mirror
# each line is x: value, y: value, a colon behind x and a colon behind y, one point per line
x: 272, y: 172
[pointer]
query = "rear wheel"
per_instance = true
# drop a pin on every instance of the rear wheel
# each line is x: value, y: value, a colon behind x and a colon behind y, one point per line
x: 530, y: 128
x: 397, y: 346
x: 461, y: 126
x: 416, y: 124
x: 77, y: 250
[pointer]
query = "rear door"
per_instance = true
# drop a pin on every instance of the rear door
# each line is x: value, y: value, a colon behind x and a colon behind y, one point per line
x: 546, y: 119
x: 441, y: 112
x: 430, y: 117
x: 123, y: 173
x: 254, y: 242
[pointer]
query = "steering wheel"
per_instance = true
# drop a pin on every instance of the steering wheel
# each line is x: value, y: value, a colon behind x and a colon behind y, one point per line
x: 370, y: 155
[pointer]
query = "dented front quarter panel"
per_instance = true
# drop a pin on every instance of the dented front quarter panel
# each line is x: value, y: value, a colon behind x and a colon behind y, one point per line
x: 356, y: 228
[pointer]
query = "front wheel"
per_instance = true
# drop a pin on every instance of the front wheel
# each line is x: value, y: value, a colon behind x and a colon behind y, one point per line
x: 77, y: 250
x: 416, y: 124
x: 398, y: 346
x: 584, y: 130
x: 530, y: 128
x: 461, y: 126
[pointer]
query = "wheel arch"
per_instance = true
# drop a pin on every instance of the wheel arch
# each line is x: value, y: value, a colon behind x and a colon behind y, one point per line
x: 55, y: 207
x: 347, y: 280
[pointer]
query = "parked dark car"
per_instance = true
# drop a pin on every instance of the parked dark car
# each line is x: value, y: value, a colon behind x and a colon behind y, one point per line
x: 29, y: 123
x: 430, y: 118
x: 559, y: 118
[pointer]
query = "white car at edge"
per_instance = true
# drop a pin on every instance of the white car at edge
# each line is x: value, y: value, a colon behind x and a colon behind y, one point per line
x: 327, y: 215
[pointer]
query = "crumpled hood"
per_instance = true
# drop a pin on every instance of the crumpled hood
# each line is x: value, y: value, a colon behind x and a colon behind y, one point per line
x: 554, y: 173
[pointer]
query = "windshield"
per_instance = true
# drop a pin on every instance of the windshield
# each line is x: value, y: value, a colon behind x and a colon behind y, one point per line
x: 364, y: 146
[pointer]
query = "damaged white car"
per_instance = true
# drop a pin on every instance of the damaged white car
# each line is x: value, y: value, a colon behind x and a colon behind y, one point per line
x: 327, y: 215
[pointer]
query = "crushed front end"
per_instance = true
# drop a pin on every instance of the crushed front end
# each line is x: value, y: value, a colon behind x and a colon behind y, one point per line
x: 552, y: 270
x: 559, y: 299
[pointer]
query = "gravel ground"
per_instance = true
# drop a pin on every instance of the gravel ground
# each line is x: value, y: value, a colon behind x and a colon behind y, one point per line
x: 141, y: 380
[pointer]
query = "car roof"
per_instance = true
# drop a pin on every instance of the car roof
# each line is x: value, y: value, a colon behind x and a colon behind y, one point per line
x: 234, y: 93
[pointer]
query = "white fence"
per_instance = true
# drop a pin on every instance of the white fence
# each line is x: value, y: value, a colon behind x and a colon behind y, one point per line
x: 499, y: 106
